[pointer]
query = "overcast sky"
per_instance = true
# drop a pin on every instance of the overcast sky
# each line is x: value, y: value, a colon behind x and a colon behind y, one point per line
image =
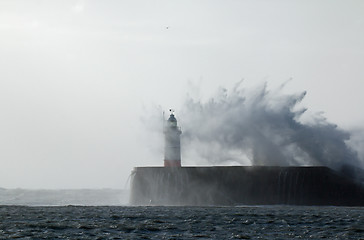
x: 77, y: 76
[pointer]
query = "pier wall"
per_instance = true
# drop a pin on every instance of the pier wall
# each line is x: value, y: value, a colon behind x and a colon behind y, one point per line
x: 238, y: 185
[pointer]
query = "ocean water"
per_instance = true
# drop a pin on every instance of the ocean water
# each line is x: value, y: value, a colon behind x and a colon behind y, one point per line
x: 245, y: 222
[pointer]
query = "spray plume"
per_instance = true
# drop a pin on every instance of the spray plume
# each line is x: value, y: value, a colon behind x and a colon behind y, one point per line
x: 261, y: 127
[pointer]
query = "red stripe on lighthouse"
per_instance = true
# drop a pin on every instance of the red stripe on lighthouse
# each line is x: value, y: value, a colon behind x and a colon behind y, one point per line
x: 172, y: 163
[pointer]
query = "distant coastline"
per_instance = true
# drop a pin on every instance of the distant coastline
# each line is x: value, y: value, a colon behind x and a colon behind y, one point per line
x: 62, y: 197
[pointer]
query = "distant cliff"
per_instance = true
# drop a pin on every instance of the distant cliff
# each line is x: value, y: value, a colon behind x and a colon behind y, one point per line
x: 63, y: 197
x: 260, y: 185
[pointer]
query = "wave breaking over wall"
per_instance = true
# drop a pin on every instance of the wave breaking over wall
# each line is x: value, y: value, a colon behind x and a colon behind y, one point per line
x: 261, y: 127
x: 283, y: 159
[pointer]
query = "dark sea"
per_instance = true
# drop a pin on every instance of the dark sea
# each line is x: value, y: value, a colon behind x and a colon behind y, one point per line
x: 245, y: 222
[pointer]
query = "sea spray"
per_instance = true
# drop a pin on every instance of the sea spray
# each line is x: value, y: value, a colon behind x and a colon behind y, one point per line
x: 261, y: 127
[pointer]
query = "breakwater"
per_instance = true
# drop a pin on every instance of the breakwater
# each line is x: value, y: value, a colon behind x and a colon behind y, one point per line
x: 238, y: 185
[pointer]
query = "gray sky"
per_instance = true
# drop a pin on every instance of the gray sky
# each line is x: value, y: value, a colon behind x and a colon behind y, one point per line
x: 77, y: 76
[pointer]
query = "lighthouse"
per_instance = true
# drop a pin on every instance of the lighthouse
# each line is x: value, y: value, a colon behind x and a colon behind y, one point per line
x: 172, y: 143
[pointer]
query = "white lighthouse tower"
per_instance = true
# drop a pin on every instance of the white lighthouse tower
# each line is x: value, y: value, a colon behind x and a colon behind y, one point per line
x: 172, y: 143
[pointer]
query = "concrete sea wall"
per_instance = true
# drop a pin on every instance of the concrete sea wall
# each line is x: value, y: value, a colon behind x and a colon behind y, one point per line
x: 256, y: 185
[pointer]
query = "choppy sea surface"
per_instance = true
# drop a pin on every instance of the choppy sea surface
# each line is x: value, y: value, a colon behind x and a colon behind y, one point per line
x: 245, y: 222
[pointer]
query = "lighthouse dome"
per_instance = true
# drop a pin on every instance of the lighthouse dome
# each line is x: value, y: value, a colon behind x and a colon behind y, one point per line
x: 172, y: 120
